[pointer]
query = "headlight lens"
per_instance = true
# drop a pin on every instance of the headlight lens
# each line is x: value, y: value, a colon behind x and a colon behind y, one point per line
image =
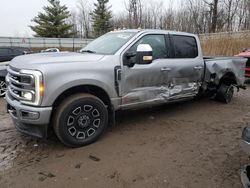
x: 27, y: 95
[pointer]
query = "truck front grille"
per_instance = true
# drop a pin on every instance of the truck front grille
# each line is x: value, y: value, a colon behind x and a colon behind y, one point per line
x: 19, y: 83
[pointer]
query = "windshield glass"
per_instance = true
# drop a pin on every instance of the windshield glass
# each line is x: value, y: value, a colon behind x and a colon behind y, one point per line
x: 109, y: 43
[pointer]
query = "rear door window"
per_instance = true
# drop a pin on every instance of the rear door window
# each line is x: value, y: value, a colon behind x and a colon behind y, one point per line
x: 184, y: 46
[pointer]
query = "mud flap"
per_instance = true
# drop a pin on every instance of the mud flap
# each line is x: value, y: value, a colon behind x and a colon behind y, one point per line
x: 111, y: 120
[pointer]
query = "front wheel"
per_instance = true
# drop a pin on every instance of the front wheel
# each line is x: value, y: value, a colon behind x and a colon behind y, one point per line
x: 80, y: 120
x: 3, y: 87
x: 225, y: 93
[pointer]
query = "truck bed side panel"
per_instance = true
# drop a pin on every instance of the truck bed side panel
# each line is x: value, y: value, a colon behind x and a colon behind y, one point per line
x: 216, y: 68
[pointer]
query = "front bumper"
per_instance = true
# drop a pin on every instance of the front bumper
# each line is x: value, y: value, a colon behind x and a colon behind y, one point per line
x: 244, y: 175
x: 30, y: 120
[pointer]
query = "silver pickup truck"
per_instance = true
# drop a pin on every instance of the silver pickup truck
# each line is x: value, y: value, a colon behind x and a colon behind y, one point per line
x: 77, y: 94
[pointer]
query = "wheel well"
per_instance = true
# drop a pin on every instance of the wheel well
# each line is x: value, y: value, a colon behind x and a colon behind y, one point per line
x: 94, y: 90
x: 228, y: 79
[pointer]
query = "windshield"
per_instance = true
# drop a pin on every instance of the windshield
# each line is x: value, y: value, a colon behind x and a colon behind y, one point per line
x: 109, y: 43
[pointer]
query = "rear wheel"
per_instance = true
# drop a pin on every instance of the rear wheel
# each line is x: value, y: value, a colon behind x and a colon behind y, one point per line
x: 80, y: 120
x: 225, y: 93
x: 3, y: 87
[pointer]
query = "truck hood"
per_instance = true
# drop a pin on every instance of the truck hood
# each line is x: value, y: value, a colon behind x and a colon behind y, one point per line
x: 33, y: 60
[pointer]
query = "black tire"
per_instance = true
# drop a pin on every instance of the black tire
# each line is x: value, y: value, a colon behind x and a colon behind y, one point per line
x: 3, y: 87
x: 225, y: 93
x: 80, y: 120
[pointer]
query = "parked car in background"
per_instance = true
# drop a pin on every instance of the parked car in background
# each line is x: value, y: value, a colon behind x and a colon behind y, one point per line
x: 246, y: 53
x: 8, y: 53
x: 50, y: 50
x: 3, y: 73
x: 245, y: 144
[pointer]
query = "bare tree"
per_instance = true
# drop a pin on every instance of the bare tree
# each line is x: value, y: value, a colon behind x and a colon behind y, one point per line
x: 212, y: 14
x: 84, y: 18
x: 231, y: 7
x: 244, y: 15
x: 196, y: 16
x: 134, y: 8
x: 73, y: 20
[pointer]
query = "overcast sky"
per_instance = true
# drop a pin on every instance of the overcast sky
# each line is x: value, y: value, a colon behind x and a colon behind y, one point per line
x: 16, y: 15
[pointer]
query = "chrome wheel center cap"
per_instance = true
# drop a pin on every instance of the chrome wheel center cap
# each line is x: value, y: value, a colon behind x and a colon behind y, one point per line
x: 83, y: 121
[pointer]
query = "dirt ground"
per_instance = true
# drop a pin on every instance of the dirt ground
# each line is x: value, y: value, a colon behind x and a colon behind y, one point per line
x: 190, y: 144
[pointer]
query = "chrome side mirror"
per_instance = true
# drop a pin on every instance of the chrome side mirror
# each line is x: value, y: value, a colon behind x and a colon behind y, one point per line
x: 144, y: 54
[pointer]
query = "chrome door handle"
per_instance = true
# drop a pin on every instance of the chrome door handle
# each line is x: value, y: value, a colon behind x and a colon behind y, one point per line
x: 165, y: 69
x: 198, y: 68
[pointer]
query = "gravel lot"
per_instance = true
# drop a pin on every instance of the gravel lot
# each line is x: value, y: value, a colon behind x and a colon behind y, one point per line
x: 191, y: 144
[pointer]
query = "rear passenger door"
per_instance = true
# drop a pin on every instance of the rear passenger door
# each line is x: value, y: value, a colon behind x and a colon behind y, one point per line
x: 185, y: 65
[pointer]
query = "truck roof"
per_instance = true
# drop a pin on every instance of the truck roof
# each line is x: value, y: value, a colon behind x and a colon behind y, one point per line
x: 155, y: 31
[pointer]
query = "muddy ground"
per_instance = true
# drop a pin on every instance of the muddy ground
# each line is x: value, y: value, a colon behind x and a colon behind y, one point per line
x: 190, y: 144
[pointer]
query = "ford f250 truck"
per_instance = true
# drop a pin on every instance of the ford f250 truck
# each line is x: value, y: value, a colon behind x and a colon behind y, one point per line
x: 77, y: 94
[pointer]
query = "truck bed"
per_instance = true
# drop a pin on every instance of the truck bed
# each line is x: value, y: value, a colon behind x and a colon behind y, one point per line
x: 216, y: 67
x: 220, y: 57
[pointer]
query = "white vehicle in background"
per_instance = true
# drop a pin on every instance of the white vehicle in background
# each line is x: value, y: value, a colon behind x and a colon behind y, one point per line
x: 50, y: 50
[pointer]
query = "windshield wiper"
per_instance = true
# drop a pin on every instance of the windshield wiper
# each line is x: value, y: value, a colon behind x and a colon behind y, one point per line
x: 88, y: 51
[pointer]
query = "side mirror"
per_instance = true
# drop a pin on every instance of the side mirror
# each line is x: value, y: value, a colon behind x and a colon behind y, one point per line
x: 144, y: 54
x: 127, y: 59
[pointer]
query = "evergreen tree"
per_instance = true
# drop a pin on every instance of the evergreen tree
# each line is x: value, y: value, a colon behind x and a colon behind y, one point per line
x: 53, y: 23
x: 101, y: 17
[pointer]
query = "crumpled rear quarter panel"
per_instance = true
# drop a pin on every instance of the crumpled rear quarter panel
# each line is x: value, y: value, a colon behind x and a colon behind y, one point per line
x: 220, y: 66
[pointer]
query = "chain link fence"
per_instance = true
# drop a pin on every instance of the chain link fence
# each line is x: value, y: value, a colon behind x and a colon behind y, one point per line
x: 71, y: 44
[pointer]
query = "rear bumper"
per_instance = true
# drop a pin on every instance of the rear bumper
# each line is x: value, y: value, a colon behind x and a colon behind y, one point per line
x: 30, y: 120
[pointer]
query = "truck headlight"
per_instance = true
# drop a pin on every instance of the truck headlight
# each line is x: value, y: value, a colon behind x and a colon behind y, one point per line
x: 27, y: 95
x: 34, y: 91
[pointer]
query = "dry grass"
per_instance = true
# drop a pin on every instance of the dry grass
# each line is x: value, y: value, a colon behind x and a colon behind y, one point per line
x: 225, y: 44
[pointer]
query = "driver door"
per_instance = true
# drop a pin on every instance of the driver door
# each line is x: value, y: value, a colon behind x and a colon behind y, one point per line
x: 146, y: 84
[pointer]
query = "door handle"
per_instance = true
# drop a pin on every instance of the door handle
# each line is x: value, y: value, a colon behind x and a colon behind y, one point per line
x: 198, y: 68
x: 165, y: 69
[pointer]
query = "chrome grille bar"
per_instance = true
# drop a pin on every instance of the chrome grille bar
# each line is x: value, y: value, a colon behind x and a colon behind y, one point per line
x: 16, y: 87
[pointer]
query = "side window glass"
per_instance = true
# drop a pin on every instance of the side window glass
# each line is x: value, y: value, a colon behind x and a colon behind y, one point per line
x: 185, y: 46
x: 157, y: 42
